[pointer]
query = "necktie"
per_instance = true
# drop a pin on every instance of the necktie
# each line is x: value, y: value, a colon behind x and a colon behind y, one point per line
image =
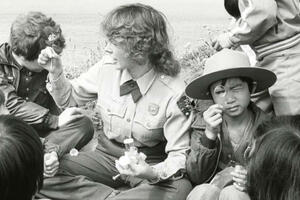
x: 131, y: 87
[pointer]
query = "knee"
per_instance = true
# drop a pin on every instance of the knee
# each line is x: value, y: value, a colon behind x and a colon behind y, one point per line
x: 231, y: 193
x: 204, y: 192
x: 183, y: 187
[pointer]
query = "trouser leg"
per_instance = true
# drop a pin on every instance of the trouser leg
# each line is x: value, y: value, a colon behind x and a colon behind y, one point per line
x: 86, y: 176
x: 231, y: 193
x: 75, y: 134
x: 204, y: 192
x: 169, y: 190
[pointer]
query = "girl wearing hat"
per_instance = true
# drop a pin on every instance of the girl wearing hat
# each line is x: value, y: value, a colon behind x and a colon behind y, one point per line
x: 221, y: 136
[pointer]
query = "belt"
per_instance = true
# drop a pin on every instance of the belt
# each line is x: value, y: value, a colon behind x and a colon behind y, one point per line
x: 154, y: 154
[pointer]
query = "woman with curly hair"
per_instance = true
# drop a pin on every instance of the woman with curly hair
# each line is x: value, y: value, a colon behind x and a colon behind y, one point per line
x: 140, y: 97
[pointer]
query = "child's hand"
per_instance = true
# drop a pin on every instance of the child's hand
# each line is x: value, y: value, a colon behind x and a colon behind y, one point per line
x: 50, y: 61
x: 239, y: 177
x: 213, y: 119
x: 51, y: 164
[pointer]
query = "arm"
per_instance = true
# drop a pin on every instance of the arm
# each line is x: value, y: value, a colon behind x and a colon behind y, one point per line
x: 176, y: 132
x: 204, y: 153
x: 257, y: 17
x: 78, y: 91
x: 30, y: 112
x: 69, y: 93
x: 202, y: 159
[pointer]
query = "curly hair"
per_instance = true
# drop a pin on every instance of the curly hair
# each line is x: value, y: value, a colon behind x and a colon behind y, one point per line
x: 142, y: 31
x: 21, y: 163
x: 34, y: 31
x: 275, y: 162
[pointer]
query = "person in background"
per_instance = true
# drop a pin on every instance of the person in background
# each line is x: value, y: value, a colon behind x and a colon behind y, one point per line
x: 274, y: 160
x: 272, y: 29
x: 21, y: 159
x: 140, y: 96
x: 232, y: 8
x: 23, y: 83
x: 221, y: 136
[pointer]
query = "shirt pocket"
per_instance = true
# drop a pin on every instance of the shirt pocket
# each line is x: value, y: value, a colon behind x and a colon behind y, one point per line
x: 149, y: 128
x: 112, y: 114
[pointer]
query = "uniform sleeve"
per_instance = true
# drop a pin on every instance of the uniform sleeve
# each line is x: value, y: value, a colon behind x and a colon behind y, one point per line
x: 176, y: 132
x: 30, y: 112
x: 257, y: 17
x: 78, y: 91
x: 202, y: 159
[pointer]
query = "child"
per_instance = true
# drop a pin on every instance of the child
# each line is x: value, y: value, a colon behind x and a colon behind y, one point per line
x: 272, y: 29
x: 23, y: 82
x: 221, y: 137
x: 21, y: 163
x: 278, y: 146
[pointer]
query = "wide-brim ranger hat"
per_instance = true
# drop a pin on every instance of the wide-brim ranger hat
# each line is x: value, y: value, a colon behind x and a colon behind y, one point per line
x: 226, y: 64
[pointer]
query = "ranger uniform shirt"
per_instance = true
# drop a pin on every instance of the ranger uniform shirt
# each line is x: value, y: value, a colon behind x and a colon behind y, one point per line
x: 155, y: 118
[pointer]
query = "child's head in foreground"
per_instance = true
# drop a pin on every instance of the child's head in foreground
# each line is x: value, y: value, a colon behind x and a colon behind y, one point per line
x: 21, y: 159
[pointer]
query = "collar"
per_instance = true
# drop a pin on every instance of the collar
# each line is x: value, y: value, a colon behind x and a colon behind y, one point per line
x: 14, y: 61
x: 144, y: 82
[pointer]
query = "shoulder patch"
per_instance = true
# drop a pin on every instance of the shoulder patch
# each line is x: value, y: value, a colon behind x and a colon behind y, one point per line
x: 185, y: 105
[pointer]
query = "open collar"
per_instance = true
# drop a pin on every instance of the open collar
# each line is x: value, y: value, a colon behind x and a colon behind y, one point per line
x: 144, y: 82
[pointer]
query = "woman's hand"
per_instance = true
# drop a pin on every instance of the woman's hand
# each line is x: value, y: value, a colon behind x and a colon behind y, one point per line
x: 213, y: 119
x: 239, y: 177
x: 50, y: 61
x: 139, y: 169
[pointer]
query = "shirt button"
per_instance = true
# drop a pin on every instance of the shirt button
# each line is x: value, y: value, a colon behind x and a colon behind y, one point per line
x: 27, y: 79
x: 27, y: 89
x: 162, y: 76
x: 29, y: 73
x: 27, y: 98
x: 128, y: 120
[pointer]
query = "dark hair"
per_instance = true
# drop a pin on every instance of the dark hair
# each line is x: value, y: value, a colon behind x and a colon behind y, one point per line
x: 248, y: 80
x: 31, y: 33
x: 21, y: 159
x: 2, y: 98
x: 141, y: 30
x: 232, y: 7
x: 274, y: 165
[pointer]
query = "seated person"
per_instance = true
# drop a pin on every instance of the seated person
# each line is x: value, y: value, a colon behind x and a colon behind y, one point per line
x: 23, y: 82
x: 140, y: 95
x: 221, y: 136
x: 21, y: 159
x: 273, y: 169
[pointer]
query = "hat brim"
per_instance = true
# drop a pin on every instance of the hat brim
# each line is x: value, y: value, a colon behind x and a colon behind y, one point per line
x: 199, y: 87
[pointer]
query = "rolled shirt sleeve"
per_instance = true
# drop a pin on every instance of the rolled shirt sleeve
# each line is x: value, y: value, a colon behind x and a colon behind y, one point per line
x: 76, y: 92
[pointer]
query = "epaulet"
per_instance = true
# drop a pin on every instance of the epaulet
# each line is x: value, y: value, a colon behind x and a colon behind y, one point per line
x: 185, y: 105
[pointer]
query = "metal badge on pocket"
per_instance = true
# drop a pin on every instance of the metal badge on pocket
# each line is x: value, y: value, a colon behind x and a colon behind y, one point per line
x: 153, y: 109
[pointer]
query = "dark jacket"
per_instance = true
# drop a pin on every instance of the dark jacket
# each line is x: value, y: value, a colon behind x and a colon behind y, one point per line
x: 204, y: 157
x: 25, y: 92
